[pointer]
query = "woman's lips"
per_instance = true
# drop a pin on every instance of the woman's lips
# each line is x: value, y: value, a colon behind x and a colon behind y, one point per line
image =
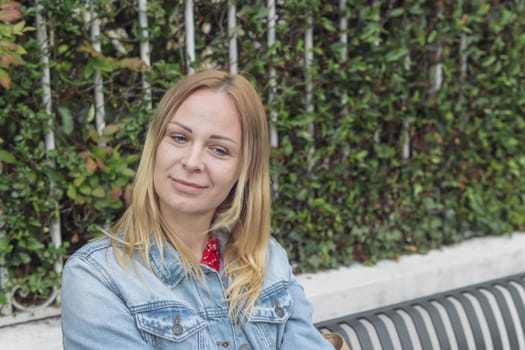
x: 187, y: 187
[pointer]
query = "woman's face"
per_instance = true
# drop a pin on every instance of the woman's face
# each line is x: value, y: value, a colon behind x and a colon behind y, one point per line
x: 198, y: 160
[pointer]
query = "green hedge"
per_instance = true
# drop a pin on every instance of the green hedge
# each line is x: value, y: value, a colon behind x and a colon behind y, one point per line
x: 346, y: 193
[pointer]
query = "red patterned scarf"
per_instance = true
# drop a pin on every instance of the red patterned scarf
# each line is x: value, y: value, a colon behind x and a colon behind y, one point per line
x: 212, y: 255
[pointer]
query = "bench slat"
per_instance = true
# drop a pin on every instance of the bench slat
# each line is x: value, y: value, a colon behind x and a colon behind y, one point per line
x: 362, y: 334
x: 401, y: 328
x: 421, y: 329
x: 437, y: 323
x: 457, y: 326
x: 382, y: 332
x: 473, y: 320
x: 489, y: 316
x: 518, y: 302
x: 507, y: 317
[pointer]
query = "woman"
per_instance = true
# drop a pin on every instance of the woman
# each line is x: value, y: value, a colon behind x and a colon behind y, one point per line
x: 191, y: 265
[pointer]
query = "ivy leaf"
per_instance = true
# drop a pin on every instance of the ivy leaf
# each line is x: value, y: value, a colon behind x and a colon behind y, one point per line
x: 395, y: 55
x: 5, y: 80
x: 71, y: 191
x: 397, y: 12
x: 10, y: 5
x: 134, y: 64
x: 432, y: 36
x: 24, y: 258
x: 105, y: 64
x: 20, y: 28
x: 91, y: 166
x: 9, y: 15
x: 98, y: 192
x: 263, y: 12
x: 128, y: 172
x: 110, y: 129
x: 67, y: 119
x: 90, y: 114
x: 7, y: 157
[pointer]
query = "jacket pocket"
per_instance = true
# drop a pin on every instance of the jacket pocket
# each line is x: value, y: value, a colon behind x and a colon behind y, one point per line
x: 170, y: 321
x: 268, y: 319
x: 273, y: 306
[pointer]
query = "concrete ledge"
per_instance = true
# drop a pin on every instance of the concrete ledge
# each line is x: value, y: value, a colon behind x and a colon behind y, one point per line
x: 357, y: 288
x: 29, y: 316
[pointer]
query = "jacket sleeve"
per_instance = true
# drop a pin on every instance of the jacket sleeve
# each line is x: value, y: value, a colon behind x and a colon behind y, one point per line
x: 299, y: 328
x: 93, y: 314
x: 299, y: 331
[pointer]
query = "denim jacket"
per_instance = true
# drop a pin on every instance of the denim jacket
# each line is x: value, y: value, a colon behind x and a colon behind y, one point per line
x: 106, y: 306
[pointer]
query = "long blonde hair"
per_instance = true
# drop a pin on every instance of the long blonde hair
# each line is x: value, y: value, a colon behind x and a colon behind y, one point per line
x: 245, y: 213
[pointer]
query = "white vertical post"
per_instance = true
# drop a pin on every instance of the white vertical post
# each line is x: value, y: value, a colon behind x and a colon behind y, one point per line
x: 343, y: 25
x: 405, y: 134
x: 100, y: 113
x: 343, y: 39
x: 377, y: 132
x: 436, y: 71
x: 436, y: 74
x: 308, y: 61
x: 405, y: 155
x: 144, y: 48
x: 6, y: 309
x: 274, y: 136
x: 55, y: 229
x: 190, y: 35
x: 232, y: 37
x: 464, y: 55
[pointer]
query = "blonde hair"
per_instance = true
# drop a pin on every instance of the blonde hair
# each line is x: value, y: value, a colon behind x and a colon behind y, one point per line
x: 244, y: 215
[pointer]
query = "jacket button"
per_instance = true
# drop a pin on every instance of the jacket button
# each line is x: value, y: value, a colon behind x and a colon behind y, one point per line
x: 279, y: 311
x: 177, y: 328
x: 245, y: 347
x: 223, y: 344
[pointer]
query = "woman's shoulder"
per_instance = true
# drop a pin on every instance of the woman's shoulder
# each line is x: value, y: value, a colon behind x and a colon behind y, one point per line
x: 97, y: 256
x: 276, y: 250
x: 278, y: 268
x: 99, y: 260
x: 92, y: 248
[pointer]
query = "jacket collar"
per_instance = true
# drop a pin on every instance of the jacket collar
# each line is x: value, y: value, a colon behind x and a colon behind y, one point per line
x: 169, y: 268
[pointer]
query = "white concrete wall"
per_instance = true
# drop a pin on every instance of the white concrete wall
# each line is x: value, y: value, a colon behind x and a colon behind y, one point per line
x: 357, y: 288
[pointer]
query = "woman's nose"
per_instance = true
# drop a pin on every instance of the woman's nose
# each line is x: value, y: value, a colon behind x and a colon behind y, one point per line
x: 193, y: 160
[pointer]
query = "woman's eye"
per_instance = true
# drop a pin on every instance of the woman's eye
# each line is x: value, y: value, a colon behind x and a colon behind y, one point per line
x: 178, y: 138
x: 220, y: 151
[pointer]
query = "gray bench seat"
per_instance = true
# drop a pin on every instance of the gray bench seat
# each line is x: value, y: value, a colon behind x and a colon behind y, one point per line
x: 489, y: 315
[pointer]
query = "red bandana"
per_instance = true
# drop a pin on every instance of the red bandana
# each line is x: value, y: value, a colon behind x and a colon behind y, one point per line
x: 212, y: 255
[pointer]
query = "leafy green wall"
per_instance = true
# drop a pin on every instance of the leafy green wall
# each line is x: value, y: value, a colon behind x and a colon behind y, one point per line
x: 418, y: 135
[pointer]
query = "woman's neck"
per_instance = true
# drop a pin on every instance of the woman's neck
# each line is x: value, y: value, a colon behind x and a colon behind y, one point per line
x: 193, y: 231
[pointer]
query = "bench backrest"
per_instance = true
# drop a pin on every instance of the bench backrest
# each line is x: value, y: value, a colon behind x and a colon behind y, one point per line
x: 489, y: 315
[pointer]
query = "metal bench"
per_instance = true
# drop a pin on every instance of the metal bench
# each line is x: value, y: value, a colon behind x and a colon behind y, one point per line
x: 489, y: 315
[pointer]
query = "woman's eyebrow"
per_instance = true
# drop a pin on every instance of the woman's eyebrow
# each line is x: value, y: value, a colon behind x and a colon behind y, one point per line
x: 220, y: 137
x: 187, y: 128
x: 214, y: 136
